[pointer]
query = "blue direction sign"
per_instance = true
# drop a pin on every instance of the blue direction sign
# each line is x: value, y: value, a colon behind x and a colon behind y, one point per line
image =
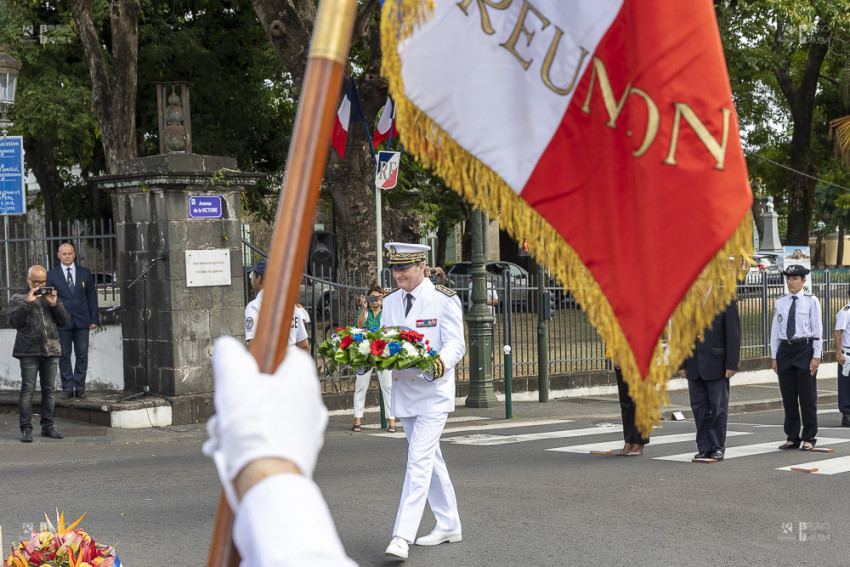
x: 205, y: 207
x: 12, y: 201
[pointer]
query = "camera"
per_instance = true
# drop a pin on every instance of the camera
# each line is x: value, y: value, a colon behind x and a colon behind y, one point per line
x: 371, y: 298
x: 44, y: 291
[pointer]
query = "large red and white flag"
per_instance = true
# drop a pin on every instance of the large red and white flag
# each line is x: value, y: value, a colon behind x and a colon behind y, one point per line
x: 386, y: 124
x: 605, y: 133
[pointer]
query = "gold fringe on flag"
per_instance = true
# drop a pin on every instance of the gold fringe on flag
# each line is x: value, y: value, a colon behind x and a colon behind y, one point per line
x: 479, y: 185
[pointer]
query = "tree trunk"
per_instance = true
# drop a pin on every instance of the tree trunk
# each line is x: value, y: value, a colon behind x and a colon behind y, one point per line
x: 41, y: 161
x: 758, y: 210
x: 839, y: 252
x: 442, y: 241
x: 801, y: 102
x: 114, y: 100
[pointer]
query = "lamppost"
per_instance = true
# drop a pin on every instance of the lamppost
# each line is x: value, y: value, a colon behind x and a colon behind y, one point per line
x: 9, y: 68
x: 480, y: 328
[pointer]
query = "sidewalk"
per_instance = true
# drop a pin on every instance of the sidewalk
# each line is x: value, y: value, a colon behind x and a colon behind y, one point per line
x: 603, y: 406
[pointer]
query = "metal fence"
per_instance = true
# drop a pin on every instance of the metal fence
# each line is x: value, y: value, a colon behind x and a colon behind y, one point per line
x: 24, y: 246
x: 331, y: 302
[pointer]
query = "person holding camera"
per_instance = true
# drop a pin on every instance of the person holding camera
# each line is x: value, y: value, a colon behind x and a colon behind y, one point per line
x: 369, y: 317
x: 37, y: 317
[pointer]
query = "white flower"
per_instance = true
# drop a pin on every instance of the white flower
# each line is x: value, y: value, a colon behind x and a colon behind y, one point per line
x: 390, y: 332
x: 335, y: 340
x: 410, y: 349
x: 386, y: 351
x: 355, y: 330
x: 363, y: 347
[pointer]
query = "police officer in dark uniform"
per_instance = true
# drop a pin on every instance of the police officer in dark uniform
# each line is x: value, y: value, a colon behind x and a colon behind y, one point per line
x: 795, y: 343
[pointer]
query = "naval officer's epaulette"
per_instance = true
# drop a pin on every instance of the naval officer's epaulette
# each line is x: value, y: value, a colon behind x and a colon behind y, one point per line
x: 392, y: 292
x: 847, y: 308
x: 447, y: 290
x: 808, y: 293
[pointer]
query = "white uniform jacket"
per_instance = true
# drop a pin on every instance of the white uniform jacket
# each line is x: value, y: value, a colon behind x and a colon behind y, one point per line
x: 439, y: 316
x: 809, y: 323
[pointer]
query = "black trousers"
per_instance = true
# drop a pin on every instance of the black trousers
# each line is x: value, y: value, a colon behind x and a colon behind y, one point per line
x: 797, y: 385
x: 627, y: 410
x: 710, y: 404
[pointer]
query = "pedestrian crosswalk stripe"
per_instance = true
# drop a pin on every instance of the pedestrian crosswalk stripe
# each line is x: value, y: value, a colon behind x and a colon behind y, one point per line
x: 827, y: 466
x: 744, y: 450
x: 485, y: 439
x: 657, y: 440
x: 483, y: 427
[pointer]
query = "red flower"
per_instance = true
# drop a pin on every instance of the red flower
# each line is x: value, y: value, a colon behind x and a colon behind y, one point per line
x: 340, y: 329
x: 345, y: 342
x: 378, y: 346
x: 412, y: 336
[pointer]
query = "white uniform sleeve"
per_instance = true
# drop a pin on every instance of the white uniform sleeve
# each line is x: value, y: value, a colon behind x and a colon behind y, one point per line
x: 817, y: 327
x: 251, y: 315
x: 298, y: 330
x: 454, y: 345
x: 841, y: 320
x: 774, y: 332
x: 284, y: 521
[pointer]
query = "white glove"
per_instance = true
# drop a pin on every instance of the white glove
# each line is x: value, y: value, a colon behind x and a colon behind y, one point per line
x: 261, y: 415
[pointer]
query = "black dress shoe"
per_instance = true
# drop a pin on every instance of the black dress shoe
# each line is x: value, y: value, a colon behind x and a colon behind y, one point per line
x: 789, y: 445
x: 67, y: 395
x: 845, y: 420
x: 807, y: 446
x: 703, y: 455
x: 718, y: 455
x: 52, y: 433
x: 81, y: 396
x: 26, y: 436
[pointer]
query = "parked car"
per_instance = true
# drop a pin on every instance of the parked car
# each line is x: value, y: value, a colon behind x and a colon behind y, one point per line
x: 461, y: 274
x: 767, y: 266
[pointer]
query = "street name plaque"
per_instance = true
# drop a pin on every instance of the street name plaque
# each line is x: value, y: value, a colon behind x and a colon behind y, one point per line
x: 205, y: 207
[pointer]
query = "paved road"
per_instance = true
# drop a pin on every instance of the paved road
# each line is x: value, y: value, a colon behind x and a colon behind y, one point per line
x: 530, y: 492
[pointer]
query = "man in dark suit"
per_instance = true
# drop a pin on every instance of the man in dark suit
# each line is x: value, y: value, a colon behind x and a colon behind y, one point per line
x: 713, y: 363
x: 75, y: 287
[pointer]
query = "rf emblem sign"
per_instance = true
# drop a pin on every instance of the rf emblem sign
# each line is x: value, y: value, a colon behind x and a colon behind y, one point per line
x: 386, y: 175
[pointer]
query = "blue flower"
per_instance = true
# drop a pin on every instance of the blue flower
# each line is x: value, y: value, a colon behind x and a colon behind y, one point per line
x: 357, y: 337
x: 433, y: 353
x: 373, y: 330
x: 394, y: 348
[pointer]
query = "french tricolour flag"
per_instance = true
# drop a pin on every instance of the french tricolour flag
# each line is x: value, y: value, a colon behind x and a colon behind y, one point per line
x: 386, y: 124
x: 350, y: 111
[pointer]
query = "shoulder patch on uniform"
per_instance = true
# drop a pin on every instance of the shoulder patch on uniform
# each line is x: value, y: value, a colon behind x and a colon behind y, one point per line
x: 847, y: 308
x: 446, y: 290
x: 808, y: 293
x: 392, y: 292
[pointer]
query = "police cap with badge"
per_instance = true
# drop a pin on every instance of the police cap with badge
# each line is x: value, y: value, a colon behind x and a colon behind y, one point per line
x: 796, y: 270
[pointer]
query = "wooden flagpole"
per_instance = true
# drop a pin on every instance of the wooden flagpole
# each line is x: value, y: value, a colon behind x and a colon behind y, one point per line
x: 305, y: 166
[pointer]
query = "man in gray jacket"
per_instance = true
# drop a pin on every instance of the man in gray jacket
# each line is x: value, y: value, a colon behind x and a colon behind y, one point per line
x: 37, y: 316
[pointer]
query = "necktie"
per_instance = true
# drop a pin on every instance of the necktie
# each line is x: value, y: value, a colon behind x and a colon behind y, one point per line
x: 791, y: 329
x: 70, y: 278
x: 409, y: 299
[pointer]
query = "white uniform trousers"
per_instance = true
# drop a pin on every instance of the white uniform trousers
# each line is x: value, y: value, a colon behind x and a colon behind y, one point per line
x: 426, y: 478
x: 361, y: 384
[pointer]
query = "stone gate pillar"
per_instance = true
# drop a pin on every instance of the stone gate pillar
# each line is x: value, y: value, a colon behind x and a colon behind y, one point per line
x: 178, y: 216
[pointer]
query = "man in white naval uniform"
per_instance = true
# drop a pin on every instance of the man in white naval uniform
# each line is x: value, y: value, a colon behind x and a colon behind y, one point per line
x: 422, y: 400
